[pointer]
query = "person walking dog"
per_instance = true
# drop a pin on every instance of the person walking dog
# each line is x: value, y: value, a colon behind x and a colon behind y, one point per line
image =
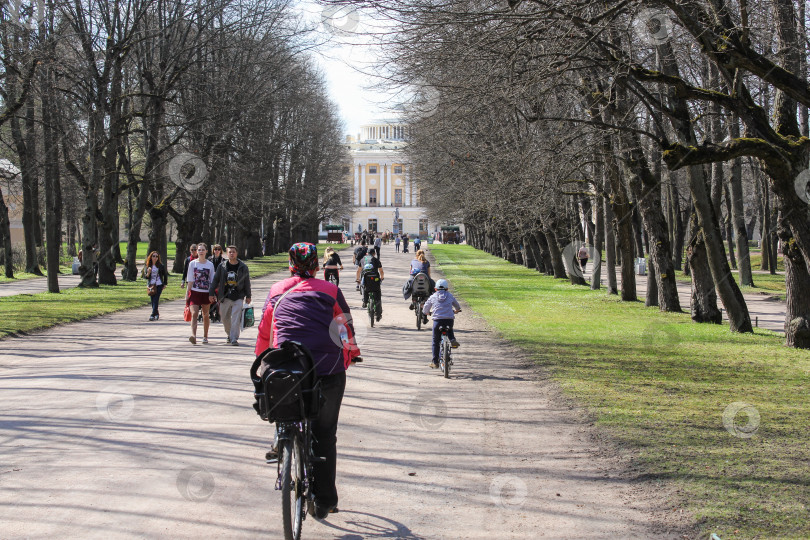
x: 231, y: 287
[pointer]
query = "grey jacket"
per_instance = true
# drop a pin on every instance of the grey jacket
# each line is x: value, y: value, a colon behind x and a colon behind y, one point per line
x: 220, y: 277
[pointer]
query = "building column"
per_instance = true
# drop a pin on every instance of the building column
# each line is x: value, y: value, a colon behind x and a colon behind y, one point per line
x: 389, y: 194
x: 363, y: 193
x: 356, y: 185
x: 407, y: 201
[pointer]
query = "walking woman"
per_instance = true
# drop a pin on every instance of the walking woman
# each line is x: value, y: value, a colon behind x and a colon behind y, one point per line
x: 200, y: 274
x: 156, y: 277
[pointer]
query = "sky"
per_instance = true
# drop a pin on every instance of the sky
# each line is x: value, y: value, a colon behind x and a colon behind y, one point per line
x: 346, y: 59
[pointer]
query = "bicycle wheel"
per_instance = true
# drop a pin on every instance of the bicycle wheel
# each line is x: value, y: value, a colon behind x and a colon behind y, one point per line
x: 292, y: 488
x: 418, y: 310
x: 446, y: 357
x: 372, y: 308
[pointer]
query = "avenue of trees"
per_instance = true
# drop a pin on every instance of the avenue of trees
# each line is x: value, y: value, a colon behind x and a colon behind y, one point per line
x: 99, y: 96
x: 666, y: 129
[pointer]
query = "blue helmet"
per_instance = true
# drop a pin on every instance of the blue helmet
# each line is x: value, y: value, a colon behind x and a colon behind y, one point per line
x: 442, y: 285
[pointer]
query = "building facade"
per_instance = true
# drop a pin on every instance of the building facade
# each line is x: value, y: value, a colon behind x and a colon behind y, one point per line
x: 384, y: 196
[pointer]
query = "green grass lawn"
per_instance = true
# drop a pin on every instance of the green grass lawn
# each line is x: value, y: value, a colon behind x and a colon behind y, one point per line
x: 661, y: 385
x: 27, y: 312
x: 143, y: 248
x: 18, y: 276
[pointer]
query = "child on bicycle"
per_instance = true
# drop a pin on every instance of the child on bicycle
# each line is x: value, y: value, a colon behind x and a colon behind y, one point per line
x: 443, y: 306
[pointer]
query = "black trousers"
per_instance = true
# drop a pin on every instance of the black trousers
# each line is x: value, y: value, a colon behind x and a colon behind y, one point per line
x: 324, y: 431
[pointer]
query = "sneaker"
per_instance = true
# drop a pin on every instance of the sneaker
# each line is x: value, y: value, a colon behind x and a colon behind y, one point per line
x: 205, y: 340
x: 365, y: 305
x: 157, y: 317
x: 411, y: 307
x: 193, y: 340
x: 320, y: 512
x: 379, y: 317
x: 151, y: 317
x: 271, y: 455
x: 229, y: 340
x: 235, y: 343
x: 455, y: 344
x: 424, y: 320
x: 434, y: 365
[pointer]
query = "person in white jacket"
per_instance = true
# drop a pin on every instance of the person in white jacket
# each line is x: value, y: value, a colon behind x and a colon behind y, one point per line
x: 443, y: 306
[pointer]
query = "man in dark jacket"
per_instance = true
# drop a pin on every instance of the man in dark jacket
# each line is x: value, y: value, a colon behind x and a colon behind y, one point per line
x: 231, y: 287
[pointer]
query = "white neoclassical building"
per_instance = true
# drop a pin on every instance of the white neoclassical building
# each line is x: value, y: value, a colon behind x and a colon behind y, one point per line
x: 384, y: 195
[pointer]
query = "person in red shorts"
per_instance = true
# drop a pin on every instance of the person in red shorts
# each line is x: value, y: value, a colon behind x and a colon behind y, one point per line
x: 200, y: 274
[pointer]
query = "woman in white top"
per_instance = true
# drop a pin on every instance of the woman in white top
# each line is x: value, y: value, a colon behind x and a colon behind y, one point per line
x: 200, y: 274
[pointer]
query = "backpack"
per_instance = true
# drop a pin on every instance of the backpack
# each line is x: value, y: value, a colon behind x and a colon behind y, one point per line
x: 289, y: 389
x: 368, y: 266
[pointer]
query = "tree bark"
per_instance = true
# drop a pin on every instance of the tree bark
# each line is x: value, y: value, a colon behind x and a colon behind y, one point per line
x: 53, y: 187
x: 610, y: 247
x: 704, y: 298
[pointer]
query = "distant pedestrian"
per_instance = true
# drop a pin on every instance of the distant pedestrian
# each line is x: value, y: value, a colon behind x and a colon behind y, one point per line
x: 156, y: 277
x: 200, y: 274
x: 192, y: 254
x: 405, y: 241
x: 216, y: 259
x: 417, y: 244
x: 396, y: 243
x: 231, y: 287
x: 582, y: 255
x: 377, y: 245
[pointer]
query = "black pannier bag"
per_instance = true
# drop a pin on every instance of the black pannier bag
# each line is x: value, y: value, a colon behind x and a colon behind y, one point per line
x: 288, y: 389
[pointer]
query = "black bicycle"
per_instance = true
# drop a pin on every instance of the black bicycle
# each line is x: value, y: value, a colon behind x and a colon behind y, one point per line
x: 288, y: 394
x: 445, y: 356
x: 418, y: 304
x: 332, y: 277
x: 295, y: 459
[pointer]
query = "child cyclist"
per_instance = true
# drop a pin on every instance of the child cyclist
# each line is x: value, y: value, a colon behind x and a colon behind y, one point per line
x: 443, y: 306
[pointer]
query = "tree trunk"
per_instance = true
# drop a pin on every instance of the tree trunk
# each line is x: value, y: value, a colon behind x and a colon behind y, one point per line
x: 738, y: 212
x: 622, y: 212
x: 651, y: 298
x: 598, y: 240
x: 797, y: 286
x: 5, y: 234
x: 53, y: 188
x: 704, y: 298
x: 556, y: 255
x: 610, y: 246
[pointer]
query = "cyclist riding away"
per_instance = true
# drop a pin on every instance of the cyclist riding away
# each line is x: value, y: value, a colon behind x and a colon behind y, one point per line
x: 443, y: 306
x: 359, y: 252
x: 370, y: 271
x: 331, y: 263
x: 305, y: 316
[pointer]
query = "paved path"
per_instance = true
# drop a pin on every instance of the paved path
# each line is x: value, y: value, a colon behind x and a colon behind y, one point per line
x: 40, y: 284
x: 766, y: 311
x: 119, y: 428
x: 36, y: 285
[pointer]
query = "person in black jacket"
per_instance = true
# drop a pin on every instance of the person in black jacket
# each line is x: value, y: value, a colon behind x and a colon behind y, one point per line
x: 156, y: 276
x: 231, y: 288
x: 192, y: 255
x: 217, y: 260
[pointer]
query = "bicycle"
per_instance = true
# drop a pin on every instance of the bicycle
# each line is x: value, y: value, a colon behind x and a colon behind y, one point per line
x: 332, y: 278
x: 295, y: 459
x: 288, y: 394
x: 445, y: 356
x: 372, y: 307
x: 418, y: 304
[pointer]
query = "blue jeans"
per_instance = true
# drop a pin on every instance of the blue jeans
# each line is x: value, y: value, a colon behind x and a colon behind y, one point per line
x: 156, y: 298
x: 437, y: 335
